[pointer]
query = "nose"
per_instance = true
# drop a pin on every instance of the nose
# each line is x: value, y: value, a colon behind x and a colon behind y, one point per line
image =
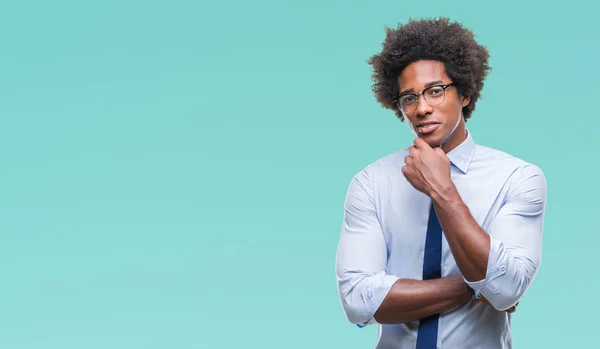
x: 423, y: 108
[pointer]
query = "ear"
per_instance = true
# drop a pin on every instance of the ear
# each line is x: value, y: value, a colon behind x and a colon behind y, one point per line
x: 465, y: 100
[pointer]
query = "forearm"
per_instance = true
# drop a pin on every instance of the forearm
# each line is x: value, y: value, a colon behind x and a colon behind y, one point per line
x: 470, y: 245
x: 412, y: 300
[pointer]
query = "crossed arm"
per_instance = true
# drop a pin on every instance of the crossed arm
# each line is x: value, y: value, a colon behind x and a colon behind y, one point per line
x: 499, y: 265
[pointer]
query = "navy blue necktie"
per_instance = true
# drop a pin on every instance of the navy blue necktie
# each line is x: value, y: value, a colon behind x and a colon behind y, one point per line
x: 432, y: 269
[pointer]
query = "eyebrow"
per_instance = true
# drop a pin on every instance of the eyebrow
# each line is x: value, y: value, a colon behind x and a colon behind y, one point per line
x: 429, y: 84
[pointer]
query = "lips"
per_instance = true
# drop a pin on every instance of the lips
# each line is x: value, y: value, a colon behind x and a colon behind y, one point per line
x: 427, y: 127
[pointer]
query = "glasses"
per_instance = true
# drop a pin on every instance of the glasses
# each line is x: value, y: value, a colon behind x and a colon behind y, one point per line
x: 433, y: 95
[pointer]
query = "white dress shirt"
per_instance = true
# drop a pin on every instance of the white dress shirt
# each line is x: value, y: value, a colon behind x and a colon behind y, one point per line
x: 383, y: 239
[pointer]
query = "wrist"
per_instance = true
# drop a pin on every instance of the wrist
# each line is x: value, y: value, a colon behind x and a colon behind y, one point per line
x: 445, y: 193
x: 467, y: 294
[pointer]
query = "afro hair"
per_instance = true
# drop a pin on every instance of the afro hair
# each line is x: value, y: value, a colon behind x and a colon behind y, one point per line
x: 439, y: 39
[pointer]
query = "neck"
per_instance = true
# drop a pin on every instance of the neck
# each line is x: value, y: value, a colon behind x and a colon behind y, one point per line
x: 459, y: 136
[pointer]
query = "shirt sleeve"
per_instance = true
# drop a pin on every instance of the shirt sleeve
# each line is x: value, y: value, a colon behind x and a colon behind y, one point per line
x: 362, y: 254
x: 516, y: 241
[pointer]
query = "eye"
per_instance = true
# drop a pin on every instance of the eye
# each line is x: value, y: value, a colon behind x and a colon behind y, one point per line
x: 407, y: 99
x: 435, y: 91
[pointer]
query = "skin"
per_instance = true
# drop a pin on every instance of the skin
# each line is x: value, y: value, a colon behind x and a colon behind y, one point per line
x: 428, y: 170
x: 414, y: 78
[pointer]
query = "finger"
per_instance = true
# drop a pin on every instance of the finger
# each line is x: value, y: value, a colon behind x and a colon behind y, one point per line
x: 404, y: 170
x: 420, y: 143
x: 413, y: 151
x: 440, y: 151
x: 407, y: 171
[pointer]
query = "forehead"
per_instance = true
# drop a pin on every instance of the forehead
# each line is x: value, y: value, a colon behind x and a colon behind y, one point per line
x: 417, y: 74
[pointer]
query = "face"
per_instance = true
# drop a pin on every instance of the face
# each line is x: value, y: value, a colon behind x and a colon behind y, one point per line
x: 433, y: 120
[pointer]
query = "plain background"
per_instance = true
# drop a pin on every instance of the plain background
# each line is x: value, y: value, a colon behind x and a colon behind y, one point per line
x: 173, y: 172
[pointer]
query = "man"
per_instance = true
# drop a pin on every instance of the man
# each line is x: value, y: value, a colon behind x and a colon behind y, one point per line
x: 440, y: 241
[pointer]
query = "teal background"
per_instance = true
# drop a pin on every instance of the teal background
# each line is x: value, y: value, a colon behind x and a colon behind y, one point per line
x: 173, y: 173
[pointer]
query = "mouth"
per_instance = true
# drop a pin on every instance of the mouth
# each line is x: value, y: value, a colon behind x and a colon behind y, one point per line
x: 427, y: 127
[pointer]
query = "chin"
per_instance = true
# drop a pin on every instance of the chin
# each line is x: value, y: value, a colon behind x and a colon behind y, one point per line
x: 433, y: 139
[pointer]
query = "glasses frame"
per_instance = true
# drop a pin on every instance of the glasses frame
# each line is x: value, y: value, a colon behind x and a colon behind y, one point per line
x: 417, y: 95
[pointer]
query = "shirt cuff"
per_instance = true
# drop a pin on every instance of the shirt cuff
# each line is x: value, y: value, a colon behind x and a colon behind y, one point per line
x: 376, y: 295
x: 497, y: 263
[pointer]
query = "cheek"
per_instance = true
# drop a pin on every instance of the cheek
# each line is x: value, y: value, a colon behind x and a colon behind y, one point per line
x: 411, y: 119
x: 451, y: 114
x: 451, y: 110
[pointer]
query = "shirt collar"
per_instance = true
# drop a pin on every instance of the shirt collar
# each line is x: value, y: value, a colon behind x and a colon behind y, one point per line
x: 461, y: 155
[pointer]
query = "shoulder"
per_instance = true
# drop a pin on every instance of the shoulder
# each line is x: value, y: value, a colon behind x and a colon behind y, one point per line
x: 386, y: 165
x: 378, y: 174
x: 498, y: 158
x: 521, y: 175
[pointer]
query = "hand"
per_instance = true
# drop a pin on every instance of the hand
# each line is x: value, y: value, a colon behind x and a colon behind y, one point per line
x: 427, y: 169
x: 509, y: 310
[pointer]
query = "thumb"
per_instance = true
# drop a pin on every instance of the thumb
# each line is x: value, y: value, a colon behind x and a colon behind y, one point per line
x: 440, y: 151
